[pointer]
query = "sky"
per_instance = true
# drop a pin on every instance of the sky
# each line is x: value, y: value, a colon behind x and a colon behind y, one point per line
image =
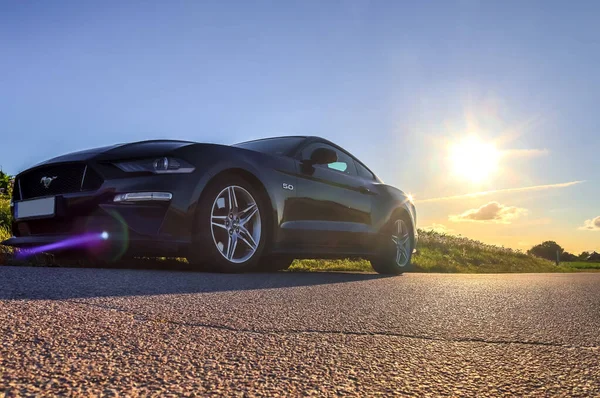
x: 441, y: 99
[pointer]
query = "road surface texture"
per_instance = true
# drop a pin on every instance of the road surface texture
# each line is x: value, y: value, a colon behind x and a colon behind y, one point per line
x: 140, y: 332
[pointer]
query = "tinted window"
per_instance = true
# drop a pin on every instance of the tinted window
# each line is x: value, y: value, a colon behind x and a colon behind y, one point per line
x: 344, y: 164
x: 272, y: 146
x: 364, y: 172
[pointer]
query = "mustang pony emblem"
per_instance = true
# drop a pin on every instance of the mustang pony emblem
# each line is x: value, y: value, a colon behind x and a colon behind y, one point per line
x: 47, y: 181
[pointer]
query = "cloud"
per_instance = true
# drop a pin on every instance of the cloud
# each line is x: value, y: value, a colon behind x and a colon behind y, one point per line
x: 493, y: 212
x: 525, y: 153
x: 441, y: 228
x: 591, y: 225
x: 485, y: 193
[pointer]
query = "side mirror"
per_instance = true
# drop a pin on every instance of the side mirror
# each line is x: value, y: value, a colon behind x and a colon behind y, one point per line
x: 323, y: 156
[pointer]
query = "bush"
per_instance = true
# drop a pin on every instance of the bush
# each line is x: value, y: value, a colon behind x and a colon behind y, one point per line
x: 6, y: 184
x: 5, y: 252
x: 5, y: 217
x: 4, y: 234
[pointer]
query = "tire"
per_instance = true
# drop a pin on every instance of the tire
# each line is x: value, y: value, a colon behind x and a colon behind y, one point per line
x: 230, y: 226
x: 396, y: 249
x: 274, y: 263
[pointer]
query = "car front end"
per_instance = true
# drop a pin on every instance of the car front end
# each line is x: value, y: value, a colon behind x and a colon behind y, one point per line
x: 133, y: 200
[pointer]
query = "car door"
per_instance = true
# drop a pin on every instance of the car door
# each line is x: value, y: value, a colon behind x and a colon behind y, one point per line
x: 332, y: 207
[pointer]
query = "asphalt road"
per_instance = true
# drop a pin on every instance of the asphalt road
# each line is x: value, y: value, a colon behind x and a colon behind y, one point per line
x: 137, y: 332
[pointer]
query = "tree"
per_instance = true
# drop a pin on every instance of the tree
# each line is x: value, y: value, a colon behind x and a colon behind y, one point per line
x: 566, y: 256
x: 6, y: 183
x: 584, y: 256
x: 546, y: 250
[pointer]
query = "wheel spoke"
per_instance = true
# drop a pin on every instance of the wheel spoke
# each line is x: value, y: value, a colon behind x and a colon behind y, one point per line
x: 247, y: 238
x: 219, y: 225
x: 233, y: 205
x: 247, y: 214
x: 403, y: 256
x: 219, y: 221
x: 235, y: 202
x: 232, y: 244
x: 406, y: 245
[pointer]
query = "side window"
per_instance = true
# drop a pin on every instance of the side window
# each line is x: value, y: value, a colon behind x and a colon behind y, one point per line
x: 344, y: 164
x: 364, y: 172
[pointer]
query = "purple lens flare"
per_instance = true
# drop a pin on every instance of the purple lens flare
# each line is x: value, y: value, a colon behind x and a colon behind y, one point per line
x: 82, y: 241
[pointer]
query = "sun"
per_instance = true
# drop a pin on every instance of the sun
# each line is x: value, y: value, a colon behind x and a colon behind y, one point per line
x: 473, y: 159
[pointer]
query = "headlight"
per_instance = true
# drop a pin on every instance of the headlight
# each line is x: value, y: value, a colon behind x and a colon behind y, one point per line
x: 164, y: 165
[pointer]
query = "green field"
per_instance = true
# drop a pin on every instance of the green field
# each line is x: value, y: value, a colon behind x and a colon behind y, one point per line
x: 436, y: 253
x: 583, y: 266
x: 450, y: 254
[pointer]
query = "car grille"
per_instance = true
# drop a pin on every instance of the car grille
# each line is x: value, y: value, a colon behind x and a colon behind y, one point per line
x: 70, y: 178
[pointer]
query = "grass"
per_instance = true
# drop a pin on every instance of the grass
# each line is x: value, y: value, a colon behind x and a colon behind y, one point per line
x: 331, y: 265
x: 436, y: 253
x: 455, y: 254
x: 448, y: 253
x: 583, y: 265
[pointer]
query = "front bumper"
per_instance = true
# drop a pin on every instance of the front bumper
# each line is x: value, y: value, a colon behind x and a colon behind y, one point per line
x: 160, y: 228
x: 143, y: 246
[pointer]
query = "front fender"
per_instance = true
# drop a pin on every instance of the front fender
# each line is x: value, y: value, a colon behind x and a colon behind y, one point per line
x: 393, y: 200
x: 211, y: 160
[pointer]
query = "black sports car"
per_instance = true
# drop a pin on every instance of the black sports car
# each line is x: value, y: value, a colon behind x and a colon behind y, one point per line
x: 253, y: 205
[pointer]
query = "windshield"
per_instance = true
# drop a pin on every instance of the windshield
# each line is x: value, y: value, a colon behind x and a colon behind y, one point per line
x: 273, y: 146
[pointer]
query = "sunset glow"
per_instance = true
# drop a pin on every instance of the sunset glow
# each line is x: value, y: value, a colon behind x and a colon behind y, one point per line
x: 474, y: 160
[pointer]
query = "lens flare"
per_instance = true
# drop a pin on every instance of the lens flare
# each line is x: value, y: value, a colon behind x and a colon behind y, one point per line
x: 76, y: 242
x: 104, y: 235
x: 120, y: 246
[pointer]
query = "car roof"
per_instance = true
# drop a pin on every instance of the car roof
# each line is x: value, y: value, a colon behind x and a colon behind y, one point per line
x: 314, y: 138
x: 272, y: 138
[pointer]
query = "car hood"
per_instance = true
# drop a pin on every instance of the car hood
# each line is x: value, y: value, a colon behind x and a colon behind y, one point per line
x: 121, y: 151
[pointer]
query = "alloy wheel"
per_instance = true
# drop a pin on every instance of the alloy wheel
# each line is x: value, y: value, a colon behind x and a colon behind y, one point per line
x: 235, y: 224
x: 402, y: 243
